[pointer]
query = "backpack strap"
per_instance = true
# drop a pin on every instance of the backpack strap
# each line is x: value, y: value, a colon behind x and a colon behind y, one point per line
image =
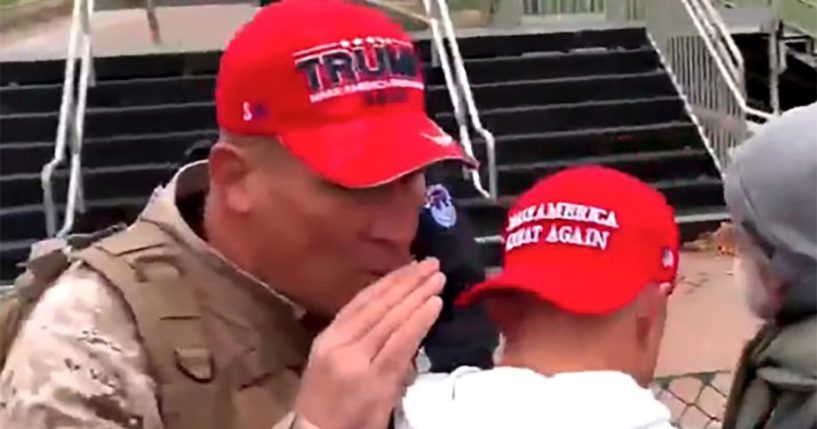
x: 155, y: 278
x: 17, y: 304
x: 46, y: 263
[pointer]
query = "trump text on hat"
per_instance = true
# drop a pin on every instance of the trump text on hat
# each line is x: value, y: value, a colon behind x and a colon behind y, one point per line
x: 380, y: 68
x: 527, y: 225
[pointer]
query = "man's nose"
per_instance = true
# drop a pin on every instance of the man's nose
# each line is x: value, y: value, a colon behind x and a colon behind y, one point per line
x: 397, y: 209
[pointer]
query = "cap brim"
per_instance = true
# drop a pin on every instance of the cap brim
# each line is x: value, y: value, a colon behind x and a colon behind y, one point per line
x: 578, y: 290
x: 375, y: 150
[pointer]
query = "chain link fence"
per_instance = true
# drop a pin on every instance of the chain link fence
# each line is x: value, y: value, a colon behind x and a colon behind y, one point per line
x: 696, y: 400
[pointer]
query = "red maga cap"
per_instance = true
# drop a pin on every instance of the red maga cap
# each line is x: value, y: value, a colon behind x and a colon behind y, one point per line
x: 587, y: 240
x: 339, y: 85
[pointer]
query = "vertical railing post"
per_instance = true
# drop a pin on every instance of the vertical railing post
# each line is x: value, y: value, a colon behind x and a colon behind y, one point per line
x: 153, y: 21
x: 776, y: 59
x: 66, y: 115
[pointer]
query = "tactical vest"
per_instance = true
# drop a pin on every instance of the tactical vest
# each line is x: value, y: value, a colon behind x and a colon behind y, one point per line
x: 156, y: 276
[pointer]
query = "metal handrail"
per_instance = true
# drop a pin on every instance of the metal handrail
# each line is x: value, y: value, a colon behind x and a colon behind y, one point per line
x: 734, y: 64
x: 724, y: 36
x: 733, y: 56
x: 75, y: 200
x: 734, y: 86
x: 456, y: 82
x: 733, y: 59
x: 70, y: 111
x: 737, y: 93
x: 462, y: 84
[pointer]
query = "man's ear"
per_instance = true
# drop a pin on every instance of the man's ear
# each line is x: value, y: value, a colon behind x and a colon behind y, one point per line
x: 651, y: 312
x: 229, y: 177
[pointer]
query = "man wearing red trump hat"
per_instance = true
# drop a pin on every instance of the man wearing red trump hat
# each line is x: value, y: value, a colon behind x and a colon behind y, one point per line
x: 204, y: 313
x: 590, y: 259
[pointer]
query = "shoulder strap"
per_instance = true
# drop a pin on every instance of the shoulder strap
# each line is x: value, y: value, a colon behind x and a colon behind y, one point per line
x: 152, y: 275
x: 17, y: 304
x: 47, y: 260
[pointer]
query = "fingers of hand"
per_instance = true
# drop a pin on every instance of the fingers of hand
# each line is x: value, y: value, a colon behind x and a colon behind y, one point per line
x: 374, y: 303
x: 385, y: 326
x: 375, y: 289
x: 398, y: 352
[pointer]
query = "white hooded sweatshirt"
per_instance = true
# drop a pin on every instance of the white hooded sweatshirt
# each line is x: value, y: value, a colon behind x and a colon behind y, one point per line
x: 515, y: 398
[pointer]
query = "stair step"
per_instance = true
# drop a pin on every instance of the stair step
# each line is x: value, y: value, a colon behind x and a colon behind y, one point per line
x: 25, y: 189
x: 133, y: 66
x: 518, y: 44
x: 99, y: 184
x: 27, y: 223
x: 30, y: 98
x: 11, y: 255
x: 559, y: 145
x: 561, y: 90
x: 563, y: 117
x: 648, y: 166
x: 24, y: 158
x: 140, y: 149
x: 23, y: 226
x: 29, y: 158
x: 488, y: 217
x: 119, y: 67
x: 28, y: 127
x: 555, y: 65
x: 108, y: 122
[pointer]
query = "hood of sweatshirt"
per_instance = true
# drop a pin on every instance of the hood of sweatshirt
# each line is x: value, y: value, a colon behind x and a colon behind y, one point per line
x: 506, y: 397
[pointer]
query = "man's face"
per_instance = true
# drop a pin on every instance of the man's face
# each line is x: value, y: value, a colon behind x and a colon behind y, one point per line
x: 326, y: 241
x: 751, y: 273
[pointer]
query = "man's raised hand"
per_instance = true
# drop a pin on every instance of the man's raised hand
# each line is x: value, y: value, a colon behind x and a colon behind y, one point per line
x: 358, y: 366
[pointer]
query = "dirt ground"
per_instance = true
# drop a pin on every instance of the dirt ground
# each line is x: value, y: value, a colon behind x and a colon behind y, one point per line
x: 707, y: 326
x: 708, y: 321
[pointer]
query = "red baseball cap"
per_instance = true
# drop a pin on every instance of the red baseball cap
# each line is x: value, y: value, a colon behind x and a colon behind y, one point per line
x: 588, y: 240
x: 339, y: 85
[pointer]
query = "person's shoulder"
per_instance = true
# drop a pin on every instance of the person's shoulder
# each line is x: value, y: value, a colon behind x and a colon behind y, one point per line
x: 468, y: 397
x: 77, y: 353
x: 79, y: 300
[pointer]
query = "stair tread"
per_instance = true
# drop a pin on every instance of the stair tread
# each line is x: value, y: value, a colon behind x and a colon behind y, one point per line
x: 27, y: 115
x: 16, y: 245
x: 91, y: 204
x: 94, y: 170
x: 503, y: 138
x: 635, y: 156
x: 561, y: 106
x: 517, y: 83
x: 150, y: 107
x: 507, y: 200
x: 5, y: 90
x: 24, y: 145
x: 556, y: 55
x: 150, y: 136
x: 568, y: 79
x: 152, y: 79
x: 591, y: 131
